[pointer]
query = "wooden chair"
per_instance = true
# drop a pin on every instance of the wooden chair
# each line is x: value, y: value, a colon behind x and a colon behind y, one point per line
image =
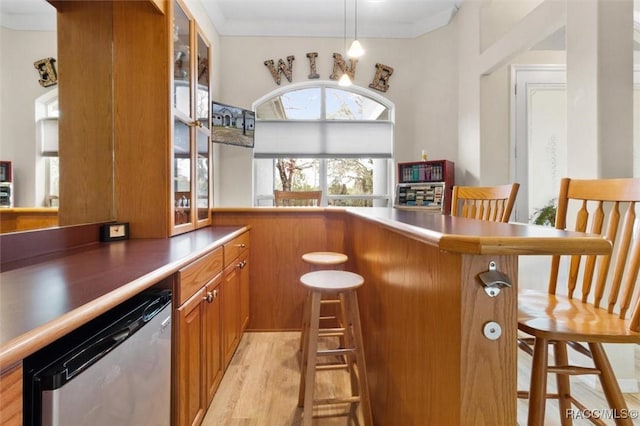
x: 594, y: 306
x: 297, y: 198
x: 492, y: 203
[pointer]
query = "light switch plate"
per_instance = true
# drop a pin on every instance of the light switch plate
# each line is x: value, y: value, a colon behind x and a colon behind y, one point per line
x: 114, y: 232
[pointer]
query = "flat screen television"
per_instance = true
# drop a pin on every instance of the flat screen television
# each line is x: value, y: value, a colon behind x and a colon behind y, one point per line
x: 232, y: 125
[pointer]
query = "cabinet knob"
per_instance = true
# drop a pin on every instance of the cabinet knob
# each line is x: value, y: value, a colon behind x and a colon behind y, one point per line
x: 242, y: 264
x: 215, y: 293
x: 242, y: 245
x: 209, y: 297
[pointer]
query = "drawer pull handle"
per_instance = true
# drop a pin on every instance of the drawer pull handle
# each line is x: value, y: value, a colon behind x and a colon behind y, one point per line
x: 242, y: 245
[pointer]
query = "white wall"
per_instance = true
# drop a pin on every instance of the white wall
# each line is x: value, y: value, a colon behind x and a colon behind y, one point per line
x: 19, y: 89
x: 423, y: 88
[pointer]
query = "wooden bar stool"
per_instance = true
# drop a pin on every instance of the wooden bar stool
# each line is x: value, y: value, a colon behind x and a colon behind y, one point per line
x: 343, y: 283
x: 325, y: 260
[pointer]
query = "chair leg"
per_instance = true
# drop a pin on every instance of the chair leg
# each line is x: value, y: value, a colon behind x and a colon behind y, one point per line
x: 305, y: 325
x: 610, y: 384
x: 354, y: 319
x: 563, y: 383
x: 310, y: 350
x: 538, y: 387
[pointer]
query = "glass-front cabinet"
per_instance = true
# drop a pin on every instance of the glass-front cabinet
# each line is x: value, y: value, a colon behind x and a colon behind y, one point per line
x: 191, y: 148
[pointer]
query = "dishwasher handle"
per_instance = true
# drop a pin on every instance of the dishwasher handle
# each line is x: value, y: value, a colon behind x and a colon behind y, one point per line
x: 93, y: 352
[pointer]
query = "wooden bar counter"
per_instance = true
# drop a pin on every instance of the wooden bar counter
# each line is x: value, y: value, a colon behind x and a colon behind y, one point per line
x: 423, y: 307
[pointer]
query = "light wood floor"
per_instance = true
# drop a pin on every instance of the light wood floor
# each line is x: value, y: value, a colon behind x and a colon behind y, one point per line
x: 260, y: 387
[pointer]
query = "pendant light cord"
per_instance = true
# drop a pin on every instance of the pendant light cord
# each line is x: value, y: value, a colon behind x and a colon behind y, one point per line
x: 356, y: 20
x: 345, y: 26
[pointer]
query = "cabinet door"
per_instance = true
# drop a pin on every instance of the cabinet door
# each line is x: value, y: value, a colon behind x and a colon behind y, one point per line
x: 203, y: 133
x: 213, y: 337
x: 244, y: 292
x: 183, y: 134
x: 189, y: 374
x: 230, y: 311
x: 191, y: 192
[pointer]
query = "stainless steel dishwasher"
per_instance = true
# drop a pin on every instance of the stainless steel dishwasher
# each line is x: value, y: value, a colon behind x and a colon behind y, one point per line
x: 115, y: 370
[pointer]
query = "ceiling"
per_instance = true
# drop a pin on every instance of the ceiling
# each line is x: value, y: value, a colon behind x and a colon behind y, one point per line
x: 292, y: 18
x: 326, y: 18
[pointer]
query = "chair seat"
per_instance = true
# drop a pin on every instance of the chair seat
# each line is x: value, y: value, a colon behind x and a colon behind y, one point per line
x: 541, y: 314
x: 325, y: 258
x: 331, y: 280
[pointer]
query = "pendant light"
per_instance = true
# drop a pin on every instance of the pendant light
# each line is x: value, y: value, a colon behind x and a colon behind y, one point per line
x: 356, y: 50
x: 345, y: 80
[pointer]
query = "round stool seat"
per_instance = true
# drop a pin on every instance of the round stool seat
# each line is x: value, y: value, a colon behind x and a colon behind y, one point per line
x: 331, y: 280
x: 325, y: 258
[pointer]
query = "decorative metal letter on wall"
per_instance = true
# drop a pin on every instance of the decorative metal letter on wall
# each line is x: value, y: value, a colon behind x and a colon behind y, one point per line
x: 381, y: 79
x: 312, y: 65
x: 339, y: 64
x: 47, y: 71
x: 282, y: 68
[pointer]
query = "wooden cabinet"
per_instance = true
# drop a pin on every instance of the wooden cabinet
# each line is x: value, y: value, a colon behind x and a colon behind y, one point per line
x: 191, y: 194
x: 197, y: 352
x: 244, y: 292
x: 426, y: 184
x: 214, y: 368
x: 162, y: 160
x: 11, y: 396
x: 189, y: 378
x: 230, y: 311
x: 235, y: 294
x: 212, y: 299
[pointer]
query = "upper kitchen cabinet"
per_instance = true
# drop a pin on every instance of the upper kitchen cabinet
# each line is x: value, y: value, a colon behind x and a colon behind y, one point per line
x: 162, y: 136
x: 191, y: 124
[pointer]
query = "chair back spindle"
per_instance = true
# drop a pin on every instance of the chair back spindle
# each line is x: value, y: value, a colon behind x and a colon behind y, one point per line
x: 297, y: 198
x: 490, y: 203
x: 608, y: 208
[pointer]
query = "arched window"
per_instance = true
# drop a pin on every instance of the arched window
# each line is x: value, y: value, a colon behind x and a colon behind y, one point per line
x: 320, y: 136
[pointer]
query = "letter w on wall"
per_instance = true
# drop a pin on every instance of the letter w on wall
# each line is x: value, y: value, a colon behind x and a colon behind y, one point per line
x: 282, y: 69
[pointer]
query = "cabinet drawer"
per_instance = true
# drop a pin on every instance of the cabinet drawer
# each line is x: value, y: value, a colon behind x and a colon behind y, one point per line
x: 234, y: 247
x: 194, y: 276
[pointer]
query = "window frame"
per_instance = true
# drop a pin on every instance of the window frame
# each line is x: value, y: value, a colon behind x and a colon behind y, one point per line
x: 376, y: 199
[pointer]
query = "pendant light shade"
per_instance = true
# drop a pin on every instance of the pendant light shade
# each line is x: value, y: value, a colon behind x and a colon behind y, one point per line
x: 356, y: 50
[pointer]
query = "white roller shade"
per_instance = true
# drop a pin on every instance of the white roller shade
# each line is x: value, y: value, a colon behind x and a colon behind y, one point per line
x: 323, y: 138
x: 48, y: 136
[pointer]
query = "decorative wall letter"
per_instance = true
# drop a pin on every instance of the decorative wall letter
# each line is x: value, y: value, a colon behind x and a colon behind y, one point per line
x: 339, y: 64
x: 282, y: 68
x: 47, y: 71
x: 312, y: 65
x: 381, y: 79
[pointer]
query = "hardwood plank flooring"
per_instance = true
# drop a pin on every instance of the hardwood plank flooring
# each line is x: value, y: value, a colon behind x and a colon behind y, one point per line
x: 260, y: 387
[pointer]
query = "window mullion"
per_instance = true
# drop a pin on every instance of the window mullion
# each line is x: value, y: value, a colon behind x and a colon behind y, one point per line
x: 323, y: 179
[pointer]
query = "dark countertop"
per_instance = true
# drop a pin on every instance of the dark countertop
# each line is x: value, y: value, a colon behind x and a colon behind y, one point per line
x: 457, y: 234
x: 42, y: 301
x: 472, y: 236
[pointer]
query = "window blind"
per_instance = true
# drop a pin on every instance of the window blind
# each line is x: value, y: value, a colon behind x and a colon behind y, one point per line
x: 323, y: 139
